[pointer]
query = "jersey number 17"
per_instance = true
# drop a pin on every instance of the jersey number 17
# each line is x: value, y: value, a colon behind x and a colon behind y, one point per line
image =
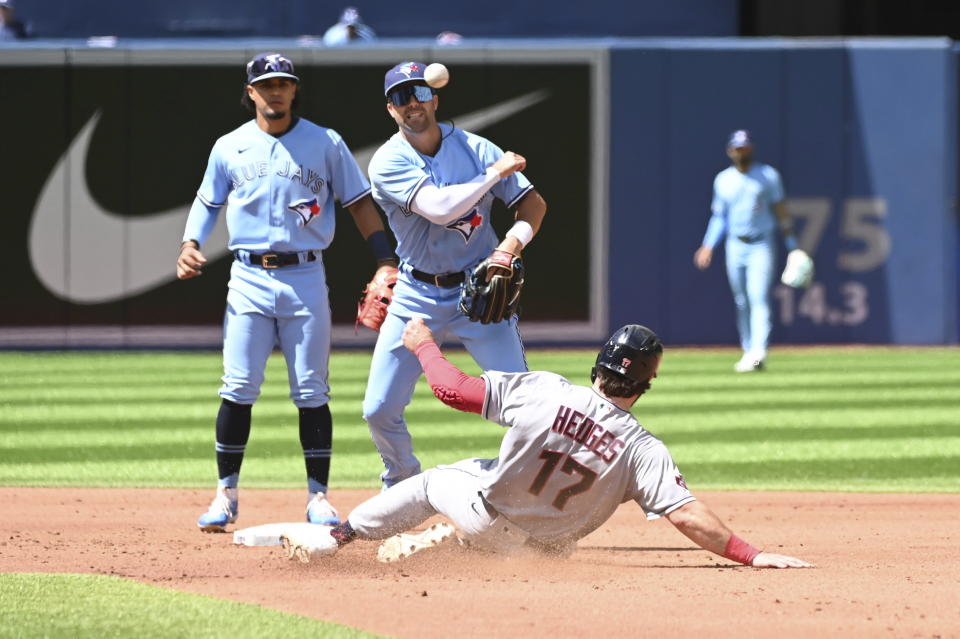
x: 551, y: 459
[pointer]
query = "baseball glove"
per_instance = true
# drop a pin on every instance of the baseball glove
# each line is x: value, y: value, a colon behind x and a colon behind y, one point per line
x: 799, y: 270
x: 372, y: 308
x: 492, y: 292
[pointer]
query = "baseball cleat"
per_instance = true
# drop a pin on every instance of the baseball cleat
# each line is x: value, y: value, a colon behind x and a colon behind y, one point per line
x: 223, y: 510
x: 748, y: 364
x: 306, y: 544
x: 405, y: 544
x: 319, y: 511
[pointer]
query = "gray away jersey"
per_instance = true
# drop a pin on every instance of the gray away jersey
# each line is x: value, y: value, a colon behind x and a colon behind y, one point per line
x: 570, y: 458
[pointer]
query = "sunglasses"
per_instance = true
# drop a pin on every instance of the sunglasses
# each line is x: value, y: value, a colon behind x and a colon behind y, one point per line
x: 401, y: 95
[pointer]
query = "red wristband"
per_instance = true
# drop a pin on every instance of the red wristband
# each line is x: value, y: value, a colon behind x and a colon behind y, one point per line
x: 739, y: 550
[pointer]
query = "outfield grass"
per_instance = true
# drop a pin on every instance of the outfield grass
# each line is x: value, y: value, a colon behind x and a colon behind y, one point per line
x: 70, y: 606
x: 829, y: 419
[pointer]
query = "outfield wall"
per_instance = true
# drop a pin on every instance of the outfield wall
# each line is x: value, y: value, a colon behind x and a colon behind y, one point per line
x: 623, y: 137
x: 864, y: 134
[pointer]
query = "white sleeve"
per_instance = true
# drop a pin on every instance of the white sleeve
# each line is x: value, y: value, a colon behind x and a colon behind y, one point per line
x: 449, y: 203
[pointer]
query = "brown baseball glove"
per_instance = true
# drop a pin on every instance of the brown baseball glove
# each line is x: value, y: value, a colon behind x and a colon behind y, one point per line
x: 372, y: 308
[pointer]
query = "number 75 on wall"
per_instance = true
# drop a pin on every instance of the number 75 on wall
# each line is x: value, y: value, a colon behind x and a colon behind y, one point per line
x: 867, y: 241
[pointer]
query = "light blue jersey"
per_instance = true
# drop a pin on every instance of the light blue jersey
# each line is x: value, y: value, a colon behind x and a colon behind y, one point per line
x: 743, y: 201
x: 397, y: 171
x: 280, y: 194
x: 280, y: 191
x: 742, y: 208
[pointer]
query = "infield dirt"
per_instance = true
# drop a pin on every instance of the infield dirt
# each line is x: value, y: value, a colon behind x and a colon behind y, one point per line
x: 886, y: 566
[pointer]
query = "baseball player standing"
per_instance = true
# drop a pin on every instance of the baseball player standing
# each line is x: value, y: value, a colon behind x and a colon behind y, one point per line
x: 748, y: 204
x: 436, y: 184
x: 570, y: 456
x: 278, y: 175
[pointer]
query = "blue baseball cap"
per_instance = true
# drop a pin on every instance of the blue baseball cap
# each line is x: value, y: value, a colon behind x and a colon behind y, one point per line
x: 269, y: 65
x: 403, y: 72
x: 740, y: 137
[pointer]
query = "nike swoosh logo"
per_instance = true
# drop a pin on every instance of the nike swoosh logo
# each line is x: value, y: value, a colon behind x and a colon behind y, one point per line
x: 75, y: 257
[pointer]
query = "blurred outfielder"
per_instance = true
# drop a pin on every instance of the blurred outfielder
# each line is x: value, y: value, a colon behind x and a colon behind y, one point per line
x: 569, y: 457
x: 278, y: 174
x: 748, y: 205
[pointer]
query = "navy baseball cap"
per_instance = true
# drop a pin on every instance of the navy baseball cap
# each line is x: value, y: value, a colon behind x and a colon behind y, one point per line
x: 269, y: 65
x: 739, y: 138
x: 403, y: 72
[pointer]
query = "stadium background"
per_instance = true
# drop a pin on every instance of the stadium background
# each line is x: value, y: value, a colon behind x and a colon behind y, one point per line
x: 624, y: 135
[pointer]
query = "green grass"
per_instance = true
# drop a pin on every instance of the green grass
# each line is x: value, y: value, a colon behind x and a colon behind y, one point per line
x: 831, y: 419
x: 69, y: 606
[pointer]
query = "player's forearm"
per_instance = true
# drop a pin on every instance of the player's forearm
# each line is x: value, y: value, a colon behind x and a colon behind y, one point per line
x: 785, y: 222
x: 530, y: 212
x: 442, y: 205
x: 369, y: 223
x: 200, y: 221
x: 698, y: 523
x: 532, y: 209
x: 365, y: 216
x: 450, y: 385
x: 716, y: 229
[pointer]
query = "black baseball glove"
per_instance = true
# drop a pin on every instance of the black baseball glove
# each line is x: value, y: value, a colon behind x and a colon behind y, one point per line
x: 492, y: 292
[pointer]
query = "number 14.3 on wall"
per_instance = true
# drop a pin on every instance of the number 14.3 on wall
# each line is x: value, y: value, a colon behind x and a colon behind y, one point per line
x: 854, y: 308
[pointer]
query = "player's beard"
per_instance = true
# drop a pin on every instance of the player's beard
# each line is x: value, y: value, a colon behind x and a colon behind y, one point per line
x: 272, y: 114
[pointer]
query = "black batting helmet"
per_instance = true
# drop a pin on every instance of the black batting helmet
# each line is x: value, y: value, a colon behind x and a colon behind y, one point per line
x: 630, y: 352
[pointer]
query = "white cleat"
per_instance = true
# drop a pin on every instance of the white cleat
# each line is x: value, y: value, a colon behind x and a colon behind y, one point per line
x: 223, y: 510
x: 320, y: 511
x: 748, y: 364
x: 306, y: 543
x: 405, y: 544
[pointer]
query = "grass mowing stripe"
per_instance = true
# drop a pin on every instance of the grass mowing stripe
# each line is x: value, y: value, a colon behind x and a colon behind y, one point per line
x: 68, y: 606
x: 820, y: 418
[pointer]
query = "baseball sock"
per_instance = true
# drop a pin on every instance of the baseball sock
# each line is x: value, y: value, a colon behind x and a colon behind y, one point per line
x: 316, y: 436
x: 233, y: 431
x: 343, y: 533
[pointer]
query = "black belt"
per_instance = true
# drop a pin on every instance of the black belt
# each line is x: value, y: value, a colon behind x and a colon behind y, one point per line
x: 749, y: 239
x: 277, y: 260
x: 443, y: 280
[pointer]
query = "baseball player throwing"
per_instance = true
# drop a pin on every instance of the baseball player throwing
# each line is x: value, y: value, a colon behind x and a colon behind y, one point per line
x: 570, y: 456
x: 278, y: 175
x: 436, y: 185
x: 748, y: 204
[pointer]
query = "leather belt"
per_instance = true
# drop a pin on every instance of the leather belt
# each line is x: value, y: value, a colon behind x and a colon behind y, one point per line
x: 443, y: 280
x: 749, y: 239
x: 276, y: 260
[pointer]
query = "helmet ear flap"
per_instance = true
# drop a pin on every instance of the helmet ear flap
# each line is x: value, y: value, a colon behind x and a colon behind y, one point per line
x: 593, y: 374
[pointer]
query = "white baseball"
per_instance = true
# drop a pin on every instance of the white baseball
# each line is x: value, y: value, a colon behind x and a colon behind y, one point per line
x: 436, y: 75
